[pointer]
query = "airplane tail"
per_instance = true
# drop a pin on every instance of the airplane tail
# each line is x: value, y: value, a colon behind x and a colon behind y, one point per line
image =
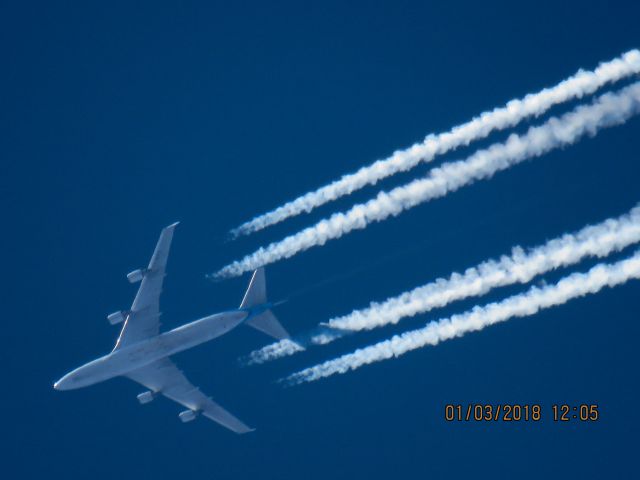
x: 256, y: 298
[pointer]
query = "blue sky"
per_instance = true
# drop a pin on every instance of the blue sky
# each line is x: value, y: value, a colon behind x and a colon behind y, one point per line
x: 120, y: 119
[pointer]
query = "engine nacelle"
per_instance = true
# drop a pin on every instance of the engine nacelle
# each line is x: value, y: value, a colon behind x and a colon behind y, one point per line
x: 117, y: 317
x: 146, y: 397
x: 187, y: 416
x: 137, y: 275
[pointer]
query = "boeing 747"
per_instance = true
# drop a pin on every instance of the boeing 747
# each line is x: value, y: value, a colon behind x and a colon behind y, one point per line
x: 142, y: 353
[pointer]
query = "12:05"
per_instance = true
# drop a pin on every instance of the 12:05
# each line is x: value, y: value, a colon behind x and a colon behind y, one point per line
x: 584, y: 413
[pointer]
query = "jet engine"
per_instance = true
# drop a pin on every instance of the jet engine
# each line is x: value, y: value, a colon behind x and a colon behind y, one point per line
x: 137, y: 275
x: 146, y: 397
x: 187, y: 416
x: 117, y: 317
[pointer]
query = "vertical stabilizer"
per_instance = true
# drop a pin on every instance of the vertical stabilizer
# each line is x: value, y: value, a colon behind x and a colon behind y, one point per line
x: 255, y: 300
x: 257, y: 292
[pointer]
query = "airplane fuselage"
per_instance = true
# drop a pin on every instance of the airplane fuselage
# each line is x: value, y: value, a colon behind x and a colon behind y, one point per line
x: 131, y: 357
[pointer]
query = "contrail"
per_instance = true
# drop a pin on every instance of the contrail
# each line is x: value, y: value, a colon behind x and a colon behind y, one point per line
x: 599, y: 240
x: 520, y: 267
x: 283, y: 348
x: 526, y: 304
x: 607, y: 110
x: 534, y: 104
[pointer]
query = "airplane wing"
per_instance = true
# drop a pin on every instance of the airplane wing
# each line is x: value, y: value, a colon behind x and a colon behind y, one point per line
x: 164, y: 377
x: 143, y: 320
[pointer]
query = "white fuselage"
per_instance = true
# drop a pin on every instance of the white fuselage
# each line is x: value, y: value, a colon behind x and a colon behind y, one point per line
x: 131, y: 357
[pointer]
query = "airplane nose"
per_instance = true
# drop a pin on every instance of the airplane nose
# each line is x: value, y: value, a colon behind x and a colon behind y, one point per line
x: 62, y: 384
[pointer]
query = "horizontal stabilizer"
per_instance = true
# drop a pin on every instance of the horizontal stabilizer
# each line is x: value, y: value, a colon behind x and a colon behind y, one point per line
x: 267, y: 323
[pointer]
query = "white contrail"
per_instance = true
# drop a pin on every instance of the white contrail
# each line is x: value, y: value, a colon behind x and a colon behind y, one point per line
x: 521, y: 266
x: 283, y: 348
x: 607, y: 110
x: 279, y: 349
x: 533, y: 104
x: 525, y: 304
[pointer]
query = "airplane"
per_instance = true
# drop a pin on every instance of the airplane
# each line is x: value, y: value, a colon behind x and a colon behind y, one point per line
x: 142, y: 353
